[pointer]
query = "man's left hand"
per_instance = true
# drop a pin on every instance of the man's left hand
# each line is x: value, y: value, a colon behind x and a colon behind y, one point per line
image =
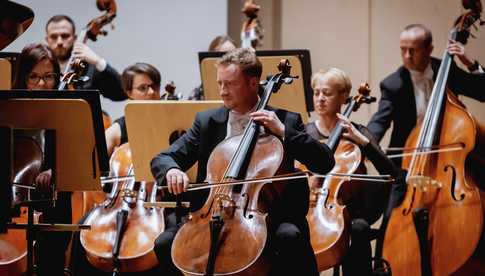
x: 85, y: 53
x: 269, y: 120
x: 458, y: 49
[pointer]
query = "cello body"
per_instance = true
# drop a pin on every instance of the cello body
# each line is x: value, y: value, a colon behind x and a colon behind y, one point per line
x: 245, y: 221
x: 138, y: 233
x: 455, y: 210
x: 328, y: 217
x: 13, y: 244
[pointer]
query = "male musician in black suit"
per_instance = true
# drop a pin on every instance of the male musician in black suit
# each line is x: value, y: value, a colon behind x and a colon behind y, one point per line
x: 405, y: 93
x: 61, y: 39
x: 238, y: 76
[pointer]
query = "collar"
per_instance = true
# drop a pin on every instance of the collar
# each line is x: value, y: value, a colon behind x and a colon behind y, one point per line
x: 427, y: 74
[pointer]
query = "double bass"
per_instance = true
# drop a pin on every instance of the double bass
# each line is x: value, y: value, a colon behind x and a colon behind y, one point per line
x: 228, y: 234
x: 438, y: 225
x: 76, y: 68
x: 73, y: 74
x: 328, y: 218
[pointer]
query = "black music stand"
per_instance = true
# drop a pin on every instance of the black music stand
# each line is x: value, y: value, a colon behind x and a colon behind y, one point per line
x: 75, y: 119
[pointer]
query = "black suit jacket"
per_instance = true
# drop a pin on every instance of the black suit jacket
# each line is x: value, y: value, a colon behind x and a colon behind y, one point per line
x: 108, y: 82
x: 398, y: 104
x: 209, y: 128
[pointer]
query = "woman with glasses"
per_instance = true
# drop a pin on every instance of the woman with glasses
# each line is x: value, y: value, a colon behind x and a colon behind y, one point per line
x: 141, y: 81
x: 37, y: 68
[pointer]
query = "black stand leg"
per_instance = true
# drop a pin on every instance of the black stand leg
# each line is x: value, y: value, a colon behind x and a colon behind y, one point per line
x: 30, y: 241
x: 421, y: 222
x: 216, y: 225
x: 121, y: 217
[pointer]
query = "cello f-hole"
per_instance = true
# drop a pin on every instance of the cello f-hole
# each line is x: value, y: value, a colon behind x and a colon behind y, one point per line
x: 453, y: 183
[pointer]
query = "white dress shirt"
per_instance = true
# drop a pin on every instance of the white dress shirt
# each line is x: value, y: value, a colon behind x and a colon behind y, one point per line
x: 423, y: 86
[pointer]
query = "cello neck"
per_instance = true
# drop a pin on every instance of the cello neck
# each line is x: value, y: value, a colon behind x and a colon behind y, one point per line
x: 334, y: 138
x: 431, y: 123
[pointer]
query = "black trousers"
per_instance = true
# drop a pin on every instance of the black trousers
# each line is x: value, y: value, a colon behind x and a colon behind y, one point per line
x: 289, y: 243
x: 358, y: 260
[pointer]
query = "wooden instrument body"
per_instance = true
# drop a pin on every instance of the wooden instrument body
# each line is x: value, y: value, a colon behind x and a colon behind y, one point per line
x: 455, y: 212
x: 13, y: 244
x: 244, y: 235
x: 328, y: 217
x: 142, y: 227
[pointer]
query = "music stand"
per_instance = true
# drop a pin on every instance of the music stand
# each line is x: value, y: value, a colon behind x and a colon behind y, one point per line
x: 150, y: 125
x: 8, y: 67
x: 297, y: 97
x: 75, y: 119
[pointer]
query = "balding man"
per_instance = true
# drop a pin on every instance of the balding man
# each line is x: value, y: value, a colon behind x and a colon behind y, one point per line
x: 406, y: 92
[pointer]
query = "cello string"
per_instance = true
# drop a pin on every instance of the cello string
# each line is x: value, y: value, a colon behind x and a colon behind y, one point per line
x: 423, y: 148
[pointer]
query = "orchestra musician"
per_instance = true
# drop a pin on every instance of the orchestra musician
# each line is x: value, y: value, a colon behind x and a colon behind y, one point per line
x: 61, y: 39
x: 331, y: 88
x: 238, y: 75
x: 141, y: 81
x: 39, y: 69
x: 405, y: 93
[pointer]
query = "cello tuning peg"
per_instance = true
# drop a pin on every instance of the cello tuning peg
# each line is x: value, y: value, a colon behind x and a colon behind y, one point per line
x: 288, y: 80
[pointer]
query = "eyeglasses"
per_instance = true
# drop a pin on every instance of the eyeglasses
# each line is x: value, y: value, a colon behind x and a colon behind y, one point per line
x: 143, y: 88
x: 47, y: 78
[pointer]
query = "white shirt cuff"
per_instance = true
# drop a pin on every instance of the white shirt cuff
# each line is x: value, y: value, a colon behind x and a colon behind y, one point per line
x: 101, y: 65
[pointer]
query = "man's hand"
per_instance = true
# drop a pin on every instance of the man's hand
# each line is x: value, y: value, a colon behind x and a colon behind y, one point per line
x: 458, y: 49
x: 43, y: 181
x: 85, y: 53
x: 269, y: 120
x: 177, y: 181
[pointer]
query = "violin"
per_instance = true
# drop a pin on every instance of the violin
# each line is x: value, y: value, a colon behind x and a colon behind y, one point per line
x: 76, y: 68
x: 252, y: 30
x: 228, y: 234
x: 328, y: 217
x: 438, y: 225
x: 13, y: 244
x: 123, y: 231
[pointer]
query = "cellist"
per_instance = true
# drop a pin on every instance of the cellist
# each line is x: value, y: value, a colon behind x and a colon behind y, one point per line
x: 238, y: 75
x: 331, y: 88
x: 141, y: 81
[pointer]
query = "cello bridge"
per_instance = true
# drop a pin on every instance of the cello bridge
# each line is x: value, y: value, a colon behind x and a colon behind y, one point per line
x: 424, y: 182
x: 225, y: 206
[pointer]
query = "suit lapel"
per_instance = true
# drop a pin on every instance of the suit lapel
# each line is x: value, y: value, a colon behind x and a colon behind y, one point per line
x: 218, y: 125
x: 408, y: 90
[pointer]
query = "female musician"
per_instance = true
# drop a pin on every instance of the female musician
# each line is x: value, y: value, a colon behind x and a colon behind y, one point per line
x: 38, y: 69
x: 331, y: 88
x: 141, y: 81
x: 238, y: 75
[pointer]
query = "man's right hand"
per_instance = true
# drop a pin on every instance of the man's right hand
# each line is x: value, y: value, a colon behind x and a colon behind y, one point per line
x: 177, y: 181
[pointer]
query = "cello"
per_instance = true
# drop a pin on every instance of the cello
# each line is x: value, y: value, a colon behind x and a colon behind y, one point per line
x: 123, y: 231
x: 438, y: 225
x: 13, y: 244
x: 228, y: 234
x: 327, y: 218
